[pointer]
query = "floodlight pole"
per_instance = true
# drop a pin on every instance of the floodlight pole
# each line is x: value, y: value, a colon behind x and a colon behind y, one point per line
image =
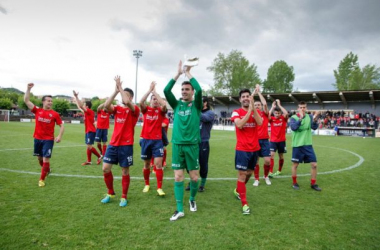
x: 137, y: 54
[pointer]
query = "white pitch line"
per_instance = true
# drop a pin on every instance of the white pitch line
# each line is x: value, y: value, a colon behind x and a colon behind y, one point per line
x: 357, y: 164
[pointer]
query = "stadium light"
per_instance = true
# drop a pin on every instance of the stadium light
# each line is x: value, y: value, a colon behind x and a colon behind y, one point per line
x: 137, y: 54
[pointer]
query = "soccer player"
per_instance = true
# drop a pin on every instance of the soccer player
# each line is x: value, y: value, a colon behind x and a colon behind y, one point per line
x: 301, y: 125
x: 102, y: 126
x: 262, y: 131
x: 89, y: 127
x: 278, y: 124
x: 165, y: 141
x: 46, y: 118
x: 246, y: 119
x: 120, y: 148
x: 186, y: 137
x: 151, y: 134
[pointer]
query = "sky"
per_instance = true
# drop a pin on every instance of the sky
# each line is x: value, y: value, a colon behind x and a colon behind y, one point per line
x: 82, y: 45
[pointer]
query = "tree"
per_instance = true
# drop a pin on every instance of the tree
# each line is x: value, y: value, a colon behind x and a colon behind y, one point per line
x: 5, y: 93
x: 280, y: 78
x: 232, y: 73
x: 61, y: 106
x: 33, y: 99
x: 344, y: 72
x: 349, y: 75
x: 5, y: 103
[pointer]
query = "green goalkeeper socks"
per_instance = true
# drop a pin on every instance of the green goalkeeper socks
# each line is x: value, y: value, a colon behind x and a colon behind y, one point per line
x: 178, y: 194
x: 193, y: 189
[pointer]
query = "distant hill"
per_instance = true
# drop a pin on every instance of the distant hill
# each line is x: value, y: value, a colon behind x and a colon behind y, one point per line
x: 13, y: 90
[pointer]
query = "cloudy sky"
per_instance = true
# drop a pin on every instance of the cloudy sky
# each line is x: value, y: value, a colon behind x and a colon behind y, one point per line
x: 82, y: 44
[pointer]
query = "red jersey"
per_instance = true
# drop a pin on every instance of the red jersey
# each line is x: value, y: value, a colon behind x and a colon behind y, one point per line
x: 45, y: 122
x: 166, y: 121
x: 278, y: 129
x: 89, y: 118
x: 262, y: 130
x: 103, y: 120
x: 152, y: 128
x: 125, y: 122
x: 247, y: 137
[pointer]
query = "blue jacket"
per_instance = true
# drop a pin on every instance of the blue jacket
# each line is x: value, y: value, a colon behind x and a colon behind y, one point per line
x: 207, y: 120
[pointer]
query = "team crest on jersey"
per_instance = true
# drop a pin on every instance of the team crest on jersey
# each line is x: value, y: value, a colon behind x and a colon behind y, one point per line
x: 127, y: 111
x: 190, y: 104
x: 156, y: 111
x: 50, y: 115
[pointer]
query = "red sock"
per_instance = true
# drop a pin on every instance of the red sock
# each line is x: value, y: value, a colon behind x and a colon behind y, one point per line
x: 146, y: 172
x: 266, y: 170
x: 242, y: 190
x: 88, y: 155
x: 93, y: 150
x: 108, y: 179
x: 280, y: 164
x: 125, y: 180
x: 257, y: 172
x: 154, y: 168
x: 41, y: 163
x: 164, y: 158
x: 104, y: 149
x: 100, y: 147
x: 313, y: 181
x: 159, y: 176
x: 271, y: 165
x: 294, y: 177
x: 44, y: 170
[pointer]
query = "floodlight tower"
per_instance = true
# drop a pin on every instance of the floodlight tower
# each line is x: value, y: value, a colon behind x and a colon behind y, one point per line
x: 137, y: 54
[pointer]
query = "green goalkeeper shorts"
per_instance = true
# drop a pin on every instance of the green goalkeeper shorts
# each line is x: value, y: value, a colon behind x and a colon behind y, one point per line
x: 185, y: 156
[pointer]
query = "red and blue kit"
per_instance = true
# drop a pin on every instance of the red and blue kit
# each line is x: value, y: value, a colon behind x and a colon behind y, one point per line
x: 152, y: 128
x: 278, y: 129
x: 247, y: 137
x: 89, y: 118
x: 125, y: 122
x: 45, y: 122
x: 262, y: 130
x: 103, y: 120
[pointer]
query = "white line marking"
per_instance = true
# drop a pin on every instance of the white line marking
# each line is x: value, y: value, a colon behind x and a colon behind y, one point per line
x: 357, y: 164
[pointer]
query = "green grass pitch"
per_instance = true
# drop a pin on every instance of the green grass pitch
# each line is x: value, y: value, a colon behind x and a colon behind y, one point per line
x: 67, y: 213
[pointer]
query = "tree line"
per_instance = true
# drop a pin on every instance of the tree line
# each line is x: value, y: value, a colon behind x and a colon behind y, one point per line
x: 233, y: 72
x: 10, y: 97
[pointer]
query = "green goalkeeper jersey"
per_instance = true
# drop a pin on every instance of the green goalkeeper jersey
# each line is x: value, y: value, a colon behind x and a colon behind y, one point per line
x: 186, y: 115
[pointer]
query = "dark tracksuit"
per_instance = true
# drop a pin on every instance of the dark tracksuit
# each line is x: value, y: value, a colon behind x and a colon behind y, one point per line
x: 207, y: 119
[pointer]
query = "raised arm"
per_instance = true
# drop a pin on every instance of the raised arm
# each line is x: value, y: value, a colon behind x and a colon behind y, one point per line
x: 159, y: 98
x: 101, y: 106
x: 271, y: 110
x: 262, y: 99
x: 78, y: 102
x: 168, y: 89
x: 198, y: 90
x: 27, y: 96
x: 108, y: 104
x: 145, y: 96
x: 256, y: 114
x: 284, y: 111
x: 125, y: 96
